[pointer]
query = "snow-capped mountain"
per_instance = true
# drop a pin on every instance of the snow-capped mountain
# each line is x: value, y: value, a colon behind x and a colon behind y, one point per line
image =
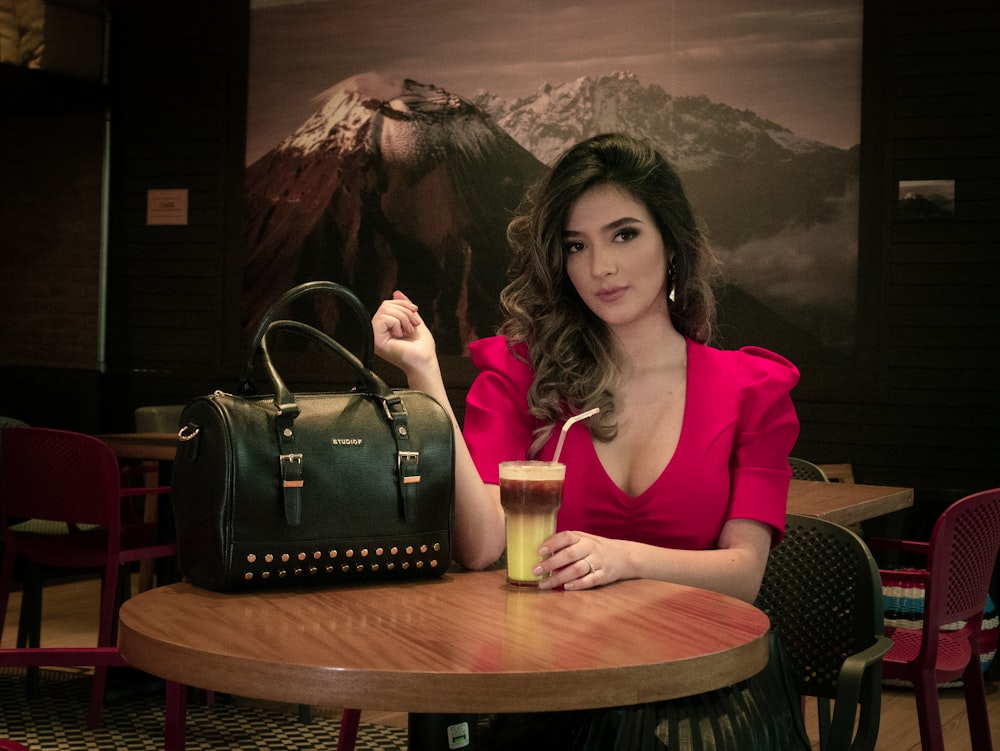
x: 692, y: 132
x: 390, y: 184
x: 728, y: 158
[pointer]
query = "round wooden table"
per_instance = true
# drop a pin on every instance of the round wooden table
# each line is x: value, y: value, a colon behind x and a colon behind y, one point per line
x: 462, y: 643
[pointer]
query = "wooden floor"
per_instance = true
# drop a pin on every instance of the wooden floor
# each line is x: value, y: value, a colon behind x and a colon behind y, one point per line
x: 70, y: 619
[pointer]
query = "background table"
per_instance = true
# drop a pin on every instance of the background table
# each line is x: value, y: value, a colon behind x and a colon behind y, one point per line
x: 846, y: 503
x: 152, y: 448
x: 160, y: 447
x: 462, y: 643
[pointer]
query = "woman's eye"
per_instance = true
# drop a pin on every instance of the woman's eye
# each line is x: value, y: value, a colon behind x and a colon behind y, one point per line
x: 626, y: 234
x: 573, y: 248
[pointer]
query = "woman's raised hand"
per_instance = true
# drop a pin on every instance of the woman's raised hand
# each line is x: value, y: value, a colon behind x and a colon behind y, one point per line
x: 401, y: 337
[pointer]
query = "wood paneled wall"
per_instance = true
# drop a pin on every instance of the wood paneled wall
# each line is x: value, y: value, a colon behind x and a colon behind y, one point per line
x: 179, y: 98
x: 931, y: 417
x: 932, y: 111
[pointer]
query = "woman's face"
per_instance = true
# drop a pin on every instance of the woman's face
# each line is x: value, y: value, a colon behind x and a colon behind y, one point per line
x: 615, y: 256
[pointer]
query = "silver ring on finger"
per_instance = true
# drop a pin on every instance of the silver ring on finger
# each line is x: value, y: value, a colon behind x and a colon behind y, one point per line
x: 589, y: 563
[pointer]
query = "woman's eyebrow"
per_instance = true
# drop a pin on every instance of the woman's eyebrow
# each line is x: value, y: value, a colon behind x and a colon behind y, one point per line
x: 622, y: 222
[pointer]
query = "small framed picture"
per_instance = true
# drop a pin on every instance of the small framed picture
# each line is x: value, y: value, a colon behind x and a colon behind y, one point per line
x: 925, y: 199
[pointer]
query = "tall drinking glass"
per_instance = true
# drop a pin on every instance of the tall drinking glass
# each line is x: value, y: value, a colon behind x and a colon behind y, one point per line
x: 530, y: 493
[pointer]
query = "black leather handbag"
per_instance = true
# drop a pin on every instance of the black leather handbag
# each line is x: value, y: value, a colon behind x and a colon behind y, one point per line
x: 298, y: 489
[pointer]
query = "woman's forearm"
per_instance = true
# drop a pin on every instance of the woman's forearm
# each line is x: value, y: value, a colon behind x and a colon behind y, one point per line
x: 731, y: 572
x: 478, y: 538
x: 736, y: 568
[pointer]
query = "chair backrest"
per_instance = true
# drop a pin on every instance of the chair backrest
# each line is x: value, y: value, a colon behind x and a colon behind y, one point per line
x: 961, y: 558
x: 58, y: 475
x: 805, y: 470
x: 823, y: 594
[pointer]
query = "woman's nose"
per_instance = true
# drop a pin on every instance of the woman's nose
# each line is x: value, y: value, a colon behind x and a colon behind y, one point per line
x: 603, y: 261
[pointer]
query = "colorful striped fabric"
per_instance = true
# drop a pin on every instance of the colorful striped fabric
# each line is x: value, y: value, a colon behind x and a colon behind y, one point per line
x: 904, y: 608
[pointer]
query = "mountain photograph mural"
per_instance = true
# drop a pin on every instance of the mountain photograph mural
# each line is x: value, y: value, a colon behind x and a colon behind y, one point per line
x: 391, y: 178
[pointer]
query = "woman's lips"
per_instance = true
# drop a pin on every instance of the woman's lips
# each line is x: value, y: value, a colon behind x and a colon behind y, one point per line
x: 610, y: 295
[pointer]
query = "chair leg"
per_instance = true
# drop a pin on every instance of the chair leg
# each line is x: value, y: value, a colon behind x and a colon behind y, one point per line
x: 174, y: 726
x: 97, y: 688
x: 870, y: 714
x: 824, y: 719
x: 349, y: 721
x: 29, y: 625
x: 975, y: 706
x: 928, y: 711
x: 105, y: 638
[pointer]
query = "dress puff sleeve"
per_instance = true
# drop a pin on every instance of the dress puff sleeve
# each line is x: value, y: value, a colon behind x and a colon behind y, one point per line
x: 767, y: 430
x: 497, y: 424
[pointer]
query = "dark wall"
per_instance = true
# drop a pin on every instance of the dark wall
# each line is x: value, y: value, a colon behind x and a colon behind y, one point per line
x: 931, y: 110
x: 929, y: 412
x: 178, y: 73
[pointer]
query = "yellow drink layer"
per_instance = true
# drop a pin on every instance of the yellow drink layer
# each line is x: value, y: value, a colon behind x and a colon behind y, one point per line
x: 525, y: 532
x: 530, y: 493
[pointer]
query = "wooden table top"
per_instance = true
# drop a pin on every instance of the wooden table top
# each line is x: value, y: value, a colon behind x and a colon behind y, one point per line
x: 846, y: 503
x: 462, y: 643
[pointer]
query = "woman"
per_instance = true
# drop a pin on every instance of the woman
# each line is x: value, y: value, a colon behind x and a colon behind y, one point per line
x: 682, y: 475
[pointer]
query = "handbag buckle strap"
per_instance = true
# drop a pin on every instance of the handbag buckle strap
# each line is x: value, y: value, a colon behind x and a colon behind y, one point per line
x: 395, y: 411
x: 408, y: 463
x: 292, y: 483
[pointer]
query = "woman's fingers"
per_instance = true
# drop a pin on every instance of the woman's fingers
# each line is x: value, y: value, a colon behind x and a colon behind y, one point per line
x: 398, y: 317
x: 569, y: 561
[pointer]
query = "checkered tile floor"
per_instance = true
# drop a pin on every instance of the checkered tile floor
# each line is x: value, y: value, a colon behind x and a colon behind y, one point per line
x: 55, y: 720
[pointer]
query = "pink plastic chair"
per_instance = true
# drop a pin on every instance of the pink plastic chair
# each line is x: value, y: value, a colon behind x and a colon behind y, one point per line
x: 72, y: 482
x: 960, y: 558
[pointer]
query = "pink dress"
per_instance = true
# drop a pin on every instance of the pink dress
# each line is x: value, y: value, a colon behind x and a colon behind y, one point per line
x: 731, y: 460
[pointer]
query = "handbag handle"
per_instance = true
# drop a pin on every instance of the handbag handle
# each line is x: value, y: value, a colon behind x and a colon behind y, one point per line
x: 245, y: 384
x: 407, y: 462
x: 284, y: 399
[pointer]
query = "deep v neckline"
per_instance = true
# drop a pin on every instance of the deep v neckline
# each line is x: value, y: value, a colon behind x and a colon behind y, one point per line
x: 677, y: 447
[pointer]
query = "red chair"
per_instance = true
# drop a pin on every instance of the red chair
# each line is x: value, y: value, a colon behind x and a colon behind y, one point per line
x: 71, y: 481
x: 960, y: 558
x: 349, y: 721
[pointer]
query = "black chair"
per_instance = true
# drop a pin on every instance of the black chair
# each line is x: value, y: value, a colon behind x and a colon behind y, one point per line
x: 806, y: 470
x: 823, y: 594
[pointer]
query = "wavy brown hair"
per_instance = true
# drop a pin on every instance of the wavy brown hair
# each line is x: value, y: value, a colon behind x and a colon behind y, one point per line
x: 572, y: 350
